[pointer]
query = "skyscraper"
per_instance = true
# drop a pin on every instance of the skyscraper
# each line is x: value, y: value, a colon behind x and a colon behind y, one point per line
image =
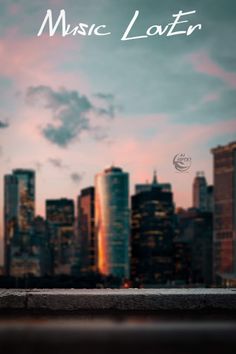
x: 224, y: 209
x: 210, y: 199
x: 193, y: 246
x: 200, y: 192
x: 10, y: 217
x: 112, y: 221
x: 40, y: 245
x: 60, y: 219
x: 86, y: 230
x: 152, y: 235
x: 19, y: 192
x: 143, y: 187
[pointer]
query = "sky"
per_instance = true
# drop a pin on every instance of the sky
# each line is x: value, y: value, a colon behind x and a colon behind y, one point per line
x: 71, y: 106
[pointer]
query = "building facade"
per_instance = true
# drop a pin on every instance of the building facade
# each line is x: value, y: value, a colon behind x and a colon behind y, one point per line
x: 19, y: 212
x: 224, y: 158
x: 41, y: 245
x: 112, y: 221
x: 10, y: 218
x: 152, y: 235
x: 86, y: 230
x: 144, y: 187
x: 193, y: 247
x: 60, y: 216
x: 200, y: 192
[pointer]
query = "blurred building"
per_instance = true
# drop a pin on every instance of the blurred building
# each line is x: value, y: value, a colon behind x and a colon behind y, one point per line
x: 86, y: 230
x: 152, y: 235
x: 193, y: 247
x: 10, y: 217
x: 1, y: 271
x: 200, y: 192
x: 144, y: 187
x: 41, y: 245
x: 210, y: 199
x: 60, y: 216
x: 112, y: 221
x: 182, y: 260
x: 224, y: 209
x: 19, y: 210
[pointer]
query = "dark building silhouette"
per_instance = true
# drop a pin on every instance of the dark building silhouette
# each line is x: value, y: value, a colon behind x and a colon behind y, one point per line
x: 19, y: 210
x: 193, y: 247
x: 200, y: 192
x: 60, y: 216
x: 144, y: 187
x: 224, y: 209
x: 41, y: 245
x: 182, y: 249
x: 182, y: 260
x: 152, y: 235
x: 210, y: 199
x: 86, y: 230
x: 10, y: 217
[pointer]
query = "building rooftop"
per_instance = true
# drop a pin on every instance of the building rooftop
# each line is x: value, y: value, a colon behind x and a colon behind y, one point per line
x: 112, y: 169
x: 230, y: 147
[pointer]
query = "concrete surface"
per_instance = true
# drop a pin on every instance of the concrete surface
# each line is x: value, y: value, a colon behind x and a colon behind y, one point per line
x: 125, y: 321
x: 117, y: 299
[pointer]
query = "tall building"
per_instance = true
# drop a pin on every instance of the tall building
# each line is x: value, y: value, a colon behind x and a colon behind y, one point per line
x: 144, y: 187
x: 41, y: 245
x: 86, y: 230
x: 10, y: 217
x: 19, y: 211
x: 210, y: 199
x: 60, y: 218
x: 152, y: 235
x: 193, y: 247
x: 200, y: 192
x: 224, y: 209
x: 112, y: 222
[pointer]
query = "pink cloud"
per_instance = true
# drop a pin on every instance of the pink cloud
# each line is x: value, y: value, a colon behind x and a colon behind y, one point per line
x: 34, y: 60
x: 142, y: 156
x: 211, y: 97
x: 202, y: 63
x: 14, y: 9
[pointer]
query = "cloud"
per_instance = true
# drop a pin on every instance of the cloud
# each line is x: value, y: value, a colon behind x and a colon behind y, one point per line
x: 99, y: 133
x: 3, y: 124
x: 29, y: 60
x: 56, y: 162
x: 202, y: 63
x: 110, y: 107
x: 70, y: 112
x: 76, y: 177
x: 104, y: 96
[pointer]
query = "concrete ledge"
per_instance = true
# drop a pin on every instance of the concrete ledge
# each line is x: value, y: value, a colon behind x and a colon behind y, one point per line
x: 117, y: 300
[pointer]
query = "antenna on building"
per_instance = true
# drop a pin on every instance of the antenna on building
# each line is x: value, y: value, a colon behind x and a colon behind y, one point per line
x: 154, y: 181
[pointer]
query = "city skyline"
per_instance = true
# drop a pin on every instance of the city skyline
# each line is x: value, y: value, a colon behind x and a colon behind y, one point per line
x: 13, y: 182
x: 100, y: 224
x: 71, y: 106
x: 136, y: 237
x: 131, y: 191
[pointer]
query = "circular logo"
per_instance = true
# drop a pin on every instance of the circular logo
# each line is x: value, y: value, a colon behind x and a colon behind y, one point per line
x: 182, y: 162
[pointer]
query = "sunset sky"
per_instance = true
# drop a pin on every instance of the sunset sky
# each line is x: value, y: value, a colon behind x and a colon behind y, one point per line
x: 72, y: 106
